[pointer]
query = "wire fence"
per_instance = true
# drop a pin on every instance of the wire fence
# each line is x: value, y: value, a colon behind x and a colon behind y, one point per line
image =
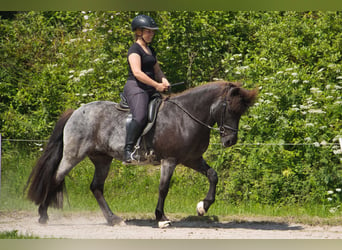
x: 315, y: 144
x: 240, y: 144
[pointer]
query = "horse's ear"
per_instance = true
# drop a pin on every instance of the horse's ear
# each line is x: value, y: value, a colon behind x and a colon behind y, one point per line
x: 249, y: 96
x: 234, y: 92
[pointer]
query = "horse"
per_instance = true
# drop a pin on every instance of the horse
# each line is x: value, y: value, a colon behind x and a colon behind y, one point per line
x: 180, y: 135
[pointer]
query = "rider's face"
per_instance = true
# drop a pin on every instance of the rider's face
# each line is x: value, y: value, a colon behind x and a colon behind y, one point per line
x: 148, y: 35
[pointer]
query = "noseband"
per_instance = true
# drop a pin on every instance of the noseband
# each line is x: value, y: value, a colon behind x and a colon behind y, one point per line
x: 222, y: 127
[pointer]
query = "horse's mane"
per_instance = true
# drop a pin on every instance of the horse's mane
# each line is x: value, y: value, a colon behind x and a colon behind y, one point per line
x: 239, y: 99
x: 204, y: 87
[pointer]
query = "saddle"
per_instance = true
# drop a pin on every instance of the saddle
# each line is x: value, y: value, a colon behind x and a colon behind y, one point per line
x: 152, y: 112
x: 146, y: 156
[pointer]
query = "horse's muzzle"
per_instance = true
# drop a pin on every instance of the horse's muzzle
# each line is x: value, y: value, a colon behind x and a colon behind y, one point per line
x: 229, y: 140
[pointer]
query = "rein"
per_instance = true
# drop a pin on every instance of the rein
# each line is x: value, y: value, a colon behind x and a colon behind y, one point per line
x: 221, y: 127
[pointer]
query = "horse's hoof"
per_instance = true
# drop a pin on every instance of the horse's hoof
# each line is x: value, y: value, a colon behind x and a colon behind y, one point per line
x: 200, y: 208
x: 122, y: 223
x: 43, y: 220
x: 164, y: 224
x: 116, y: 220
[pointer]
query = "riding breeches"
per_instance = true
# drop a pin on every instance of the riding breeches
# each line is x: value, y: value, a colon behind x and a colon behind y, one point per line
x: 138, y: 100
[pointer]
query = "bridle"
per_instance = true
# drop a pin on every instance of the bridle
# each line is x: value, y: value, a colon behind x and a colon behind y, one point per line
x: 222, y: 127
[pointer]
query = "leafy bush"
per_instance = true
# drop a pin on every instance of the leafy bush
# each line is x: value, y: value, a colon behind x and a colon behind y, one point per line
x: 288, y: 150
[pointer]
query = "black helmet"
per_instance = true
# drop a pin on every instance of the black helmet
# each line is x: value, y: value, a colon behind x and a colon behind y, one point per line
x: 144, y: 22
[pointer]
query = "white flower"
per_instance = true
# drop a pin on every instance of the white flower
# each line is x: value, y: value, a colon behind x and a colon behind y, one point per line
x: 330, y: 192
x: 338, y: 190
x: 320, y: 70
x: 306, y: 81
x: 314, y: 89
x: 333, y: 210
x: 76, y: 79
x: 316, y: 144
x: 244, y: 67
x: 280, y: 72
x: 337, y: 152
x: 295, y: 81
x: 339, y: 78
x: 263, y: 59
x: 294, y: 74
x: 329, y: 199
x: 86, y: 17
x: 316, y: 111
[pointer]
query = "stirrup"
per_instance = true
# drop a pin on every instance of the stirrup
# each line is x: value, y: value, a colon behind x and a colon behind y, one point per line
x: 130, y: 160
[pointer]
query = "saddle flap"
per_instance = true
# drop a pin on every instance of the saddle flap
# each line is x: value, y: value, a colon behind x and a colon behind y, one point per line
x: 153, y: 109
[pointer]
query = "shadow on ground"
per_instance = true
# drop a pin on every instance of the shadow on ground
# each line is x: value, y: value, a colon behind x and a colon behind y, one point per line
x: 213, y: 222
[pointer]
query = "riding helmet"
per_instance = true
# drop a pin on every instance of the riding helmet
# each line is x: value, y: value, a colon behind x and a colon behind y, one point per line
x: 144, y: 22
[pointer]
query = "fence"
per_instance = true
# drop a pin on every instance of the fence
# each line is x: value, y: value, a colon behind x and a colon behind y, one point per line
x: 247, y: 144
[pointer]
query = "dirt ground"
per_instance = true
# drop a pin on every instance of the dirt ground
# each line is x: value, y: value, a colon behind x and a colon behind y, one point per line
x: 93, y: 226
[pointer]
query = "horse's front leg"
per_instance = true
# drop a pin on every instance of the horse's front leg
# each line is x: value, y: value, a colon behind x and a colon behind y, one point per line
x: 201, y: 166
x: 167, y: 168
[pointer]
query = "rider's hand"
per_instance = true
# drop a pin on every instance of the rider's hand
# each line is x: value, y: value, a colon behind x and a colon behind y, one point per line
x: 163, y: 86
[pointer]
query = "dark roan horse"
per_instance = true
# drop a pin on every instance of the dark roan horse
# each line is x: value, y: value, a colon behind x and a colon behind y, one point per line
x: 180, y: 135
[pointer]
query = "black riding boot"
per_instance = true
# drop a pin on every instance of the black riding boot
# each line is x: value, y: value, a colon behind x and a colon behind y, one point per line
x: 133, y: 131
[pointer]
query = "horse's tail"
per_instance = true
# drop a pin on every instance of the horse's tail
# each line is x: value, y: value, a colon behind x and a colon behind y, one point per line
x: 43, y: 188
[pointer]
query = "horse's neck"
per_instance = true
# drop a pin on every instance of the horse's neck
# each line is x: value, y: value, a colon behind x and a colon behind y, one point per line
x: 197, y: 101
x: 197, y: 96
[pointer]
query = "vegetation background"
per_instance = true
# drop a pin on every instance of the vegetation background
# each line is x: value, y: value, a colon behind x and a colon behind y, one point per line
x: 287, y: 159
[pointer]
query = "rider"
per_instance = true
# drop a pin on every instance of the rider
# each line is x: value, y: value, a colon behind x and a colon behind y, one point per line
x: 145, y: 78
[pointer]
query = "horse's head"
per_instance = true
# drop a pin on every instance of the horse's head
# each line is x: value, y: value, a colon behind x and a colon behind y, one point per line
x: 229, y: 108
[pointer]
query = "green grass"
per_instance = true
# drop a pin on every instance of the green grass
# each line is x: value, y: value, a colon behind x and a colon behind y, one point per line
x: 15, y: 235
x: 134, y: 190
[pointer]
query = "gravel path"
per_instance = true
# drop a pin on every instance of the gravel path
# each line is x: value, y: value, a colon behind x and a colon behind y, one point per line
x: 93, y: 226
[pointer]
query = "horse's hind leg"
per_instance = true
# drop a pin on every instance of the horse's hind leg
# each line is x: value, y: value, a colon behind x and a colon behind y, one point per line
x: 55, y: 192
x: 201, y: 166
x: 102, y: 164
x: 43, y: 216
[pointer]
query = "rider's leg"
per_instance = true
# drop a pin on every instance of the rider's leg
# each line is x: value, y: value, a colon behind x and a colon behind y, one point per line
x: 133, y: 131
x: 138, y: 104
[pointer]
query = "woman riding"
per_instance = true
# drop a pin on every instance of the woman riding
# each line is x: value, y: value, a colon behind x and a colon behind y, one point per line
x: 145, y: 78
